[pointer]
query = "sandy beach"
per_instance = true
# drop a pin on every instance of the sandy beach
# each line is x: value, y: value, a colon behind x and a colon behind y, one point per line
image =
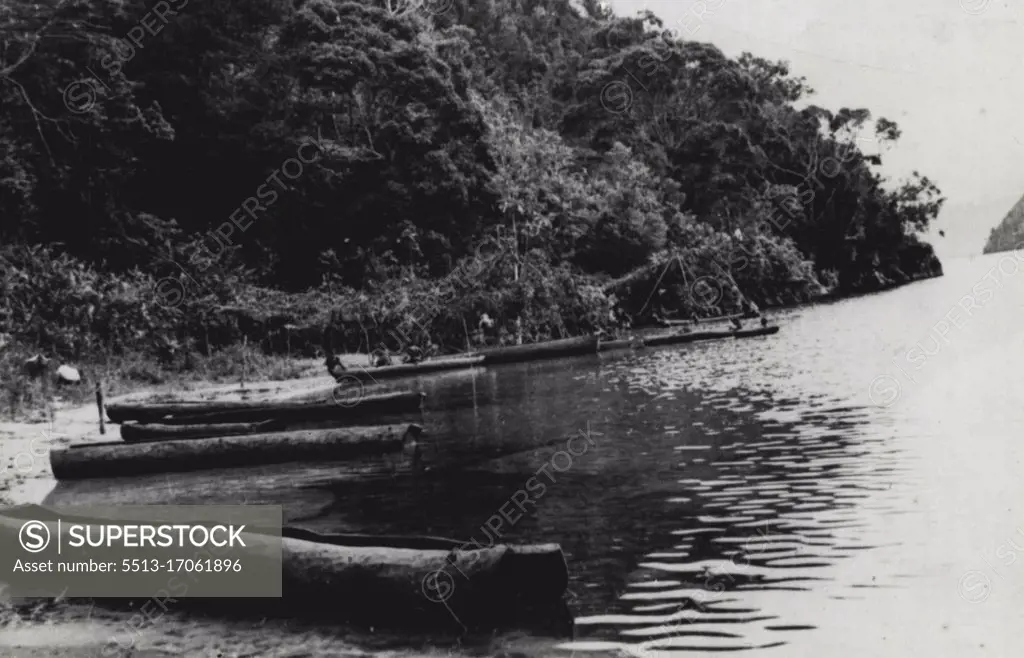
x: 49, y: 629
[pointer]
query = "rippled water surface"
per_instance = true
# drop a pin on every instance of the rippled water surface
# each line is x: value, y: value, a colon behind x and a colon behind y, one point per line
x: 851, y: 486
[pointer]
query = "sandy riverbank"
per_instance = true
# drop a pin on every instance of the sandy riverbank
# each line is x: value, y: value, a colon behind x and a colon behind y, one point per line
x: 34, y: 629
x: 25, y: 475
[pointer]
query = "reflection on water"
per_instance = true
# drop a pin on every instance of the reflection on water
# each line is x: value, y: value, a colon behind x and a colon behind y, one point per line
x: 768, y: 508
x: 738, y: 495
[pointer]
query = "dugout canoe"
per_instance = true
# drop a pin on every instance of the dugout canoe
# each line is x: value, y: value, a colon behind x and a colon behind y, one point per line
x: 694, y: 336
x: 673, y: 323
x: 378, y: 580
x: 425, y: 578
x: 537, y: 351
x: 664, y: 322
x: 412, y: 369
x: 118, y: 459
x: 349, y: 402
x: 621, y: 344
x: 143, y: 432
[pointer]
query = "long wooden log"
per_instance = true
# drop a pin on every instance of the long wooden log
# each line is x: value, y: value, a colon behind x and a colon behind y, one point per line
x: 411, y: 369
x: 438, y: 462
x: 693, y: 336
x: 745, y: 315
x: 349, y: 402
x: 393, y: 581
x: 344, y: 395
x: 621, y: 344
x: 537, y: 351
x: 473, y: 585
x: 143, y: 432
x: 748, y: 315
x: 662, y: 322
x: 117, y: 459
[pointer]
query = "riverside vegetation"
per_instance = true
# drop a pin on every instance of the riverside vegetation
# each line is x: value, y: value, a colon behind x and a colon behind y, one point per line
x: 182, y: 182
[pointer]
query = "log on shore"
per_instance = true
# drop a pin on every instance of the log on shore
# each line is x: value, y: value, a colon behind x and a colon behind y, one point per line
x: 537, y: 351
x: 745, y: 315
x: 694, y: 336
x: 424, y: 578
x: 377, y: 478
x: 392, y: 581
x: 748, y: 315
x: 118, y: 459
x: 143, y: 432
x: 621, y: 344
x: 413, y: 369
x: 349, y: 402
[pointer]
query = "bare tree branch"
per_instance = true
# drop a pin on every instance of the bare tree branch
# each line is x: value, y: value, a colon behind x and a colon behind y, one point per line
x: 36, y: 114
x: 38, y: 36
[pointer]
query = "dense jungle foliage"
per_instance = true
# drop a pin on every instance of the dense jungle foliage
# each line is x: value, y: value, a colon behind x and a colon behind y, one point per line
x: 197, y: 173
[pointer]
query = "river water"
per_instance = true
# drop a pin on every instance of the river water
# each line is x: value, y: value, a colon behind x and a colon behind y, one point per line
x: 851, y: 486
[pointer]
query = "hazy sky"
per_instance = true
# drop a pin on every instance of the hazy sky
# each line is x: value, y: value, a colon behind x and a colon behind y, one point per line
x: 947, y: 71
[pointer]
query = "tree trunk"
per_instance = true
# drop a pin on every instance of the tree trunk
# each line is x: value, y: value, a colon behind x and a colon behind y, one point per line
x: 390, y: 581
x: 205, y: 412
x: 117, y: 459
x: 537, y: 351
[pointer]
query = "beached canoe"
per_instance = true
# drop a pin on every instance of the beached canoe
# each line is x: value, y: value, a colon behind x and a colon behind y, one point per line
x: 424, y: 578
x: 349, y: 402
x: 661, y: 322
x: 384, y: 580
x: 693, y: 336
x: 412, y: 369
x: 142, y: 432
x: 537, y: 351
x: 118, y: 459
x: 621, y: 344
x: 748, y: 315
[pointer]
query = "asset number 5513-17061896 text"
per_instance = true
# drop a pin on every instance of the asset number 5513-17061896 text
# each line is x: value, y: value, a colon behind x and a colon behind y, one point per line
x: 195, y: 566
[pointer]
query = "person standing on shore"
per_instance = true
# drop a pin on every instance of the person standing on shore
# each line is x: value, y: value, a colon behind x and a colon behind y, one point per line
x: 413, y: 354
x: 483, y: 326
x: 335, y: 367
x: 625, y: 322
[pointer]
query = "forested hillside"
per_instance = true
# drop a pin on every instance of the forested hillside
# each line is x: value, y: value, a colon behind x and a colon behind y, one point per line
x: 201, y: 172
x: 1009, y: 235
